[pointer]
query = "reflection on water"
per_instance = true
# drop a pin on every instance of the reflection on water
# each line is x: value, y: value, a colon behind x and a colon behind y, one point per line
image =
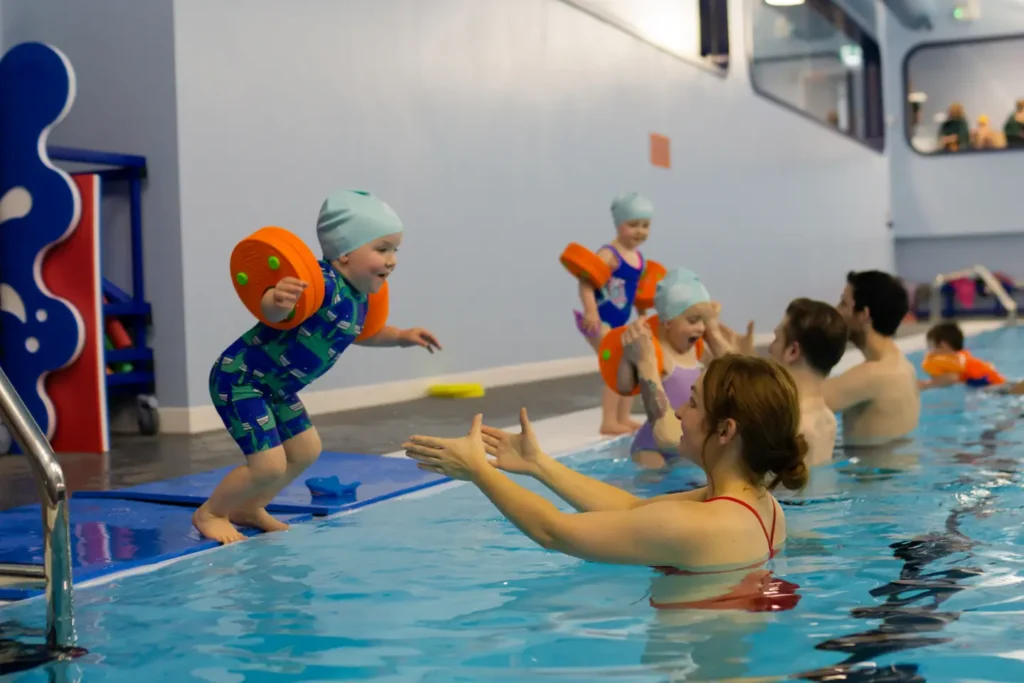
x: 910, y: 615
x: 17, y: 655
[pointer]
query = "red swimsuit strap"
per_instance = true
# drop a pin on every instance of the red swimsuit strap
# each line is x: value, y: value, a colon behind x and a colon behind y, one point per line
x: 770, y: 537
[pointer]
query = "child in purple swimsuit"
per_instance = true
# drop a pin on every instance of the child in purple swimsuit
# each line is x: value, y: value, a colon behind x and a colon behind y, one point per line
x: 680, y: 301
x: 612, y: 305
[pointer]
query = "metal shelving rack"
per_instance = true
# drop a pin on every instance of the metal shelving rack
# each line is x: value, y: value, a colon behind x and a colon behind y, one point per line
x: 131, y: 308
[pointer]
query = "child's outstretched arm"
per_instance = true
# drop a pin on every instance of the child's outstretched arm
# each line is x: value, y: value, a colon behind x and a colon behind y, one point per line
x: 393, y: 336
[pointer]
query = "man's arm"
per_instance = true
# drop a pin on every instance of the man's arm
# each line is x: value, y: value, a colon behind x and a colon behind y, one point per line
x: 855, y: 386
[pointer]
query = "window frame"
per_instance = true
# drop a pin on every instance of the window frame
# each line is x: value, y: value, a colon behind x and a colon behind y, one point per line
x: 877, y: 144
x: 628, y: 28
x: 905, y: 72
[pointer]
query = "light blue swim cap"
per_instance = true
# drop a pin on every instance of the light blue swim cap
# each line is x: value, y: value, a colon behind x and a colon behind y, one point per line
x: 677, y: 291
x: 351, y: 218
x: 630, y: 207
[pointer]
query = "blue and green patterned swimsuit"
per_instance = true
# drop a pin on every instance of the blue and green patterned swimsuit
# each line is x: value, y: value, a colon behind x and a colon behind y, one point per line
x: 255, y: 382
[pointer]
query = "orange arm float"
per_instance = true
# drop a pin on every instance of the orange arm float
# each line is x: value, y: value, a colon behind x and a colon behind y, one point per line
x: 648, y: 285
x: 937, y: 364
x: 610, y: 354
x: 376, y: 313
x: 969, y: 369
x: 263, y: 259
x: 586, y: 265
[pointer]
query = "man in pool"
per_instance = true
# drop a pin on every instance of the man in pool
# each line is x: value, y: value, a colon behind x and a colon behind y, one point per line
x: 879, y: 398
x: 809, y: 340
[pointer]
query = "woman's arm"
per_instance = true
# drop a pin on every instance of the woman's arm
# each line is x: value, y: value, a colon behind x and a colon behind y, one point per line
x: 665, y: 425
x: 587, y: 494
x: 582, y: 492
x: 647, y: 535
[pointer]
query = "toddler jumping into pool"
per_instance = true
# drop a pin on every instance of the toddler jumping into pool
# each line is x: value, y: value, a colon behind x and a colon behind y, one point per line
x: 255, y: 381
x: 611, y: 306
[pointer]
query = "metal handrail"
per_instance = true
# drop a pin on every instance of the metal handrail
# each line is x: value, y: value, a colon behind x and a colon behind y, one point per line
x: 60, y: 622
x: 990, y: 280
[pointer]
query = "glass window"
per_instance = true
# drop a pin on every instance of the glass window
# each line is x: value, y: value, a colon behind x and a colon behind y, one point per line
x: 696, y: 30
x: 966, y: 96
x: 813, y: 57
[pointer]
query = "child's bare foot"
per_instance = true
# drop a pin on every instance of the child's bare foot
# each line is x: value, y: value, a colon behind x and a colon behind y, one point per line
x: 634, y: 425
x: 257, y: 519
x: 215, y: 528
x: 616, y: 429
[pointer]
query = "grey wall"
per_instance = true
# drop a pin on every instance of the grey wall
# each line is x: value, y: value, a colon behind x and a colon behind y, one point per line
x: 499, y: 130
x: 920, y: 260
x: 123, y: 55
x: 953, y: 211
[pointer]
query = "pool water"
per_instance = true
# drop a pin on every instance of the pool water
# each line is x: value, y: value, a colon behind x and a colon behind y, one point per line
x: 910, y: 567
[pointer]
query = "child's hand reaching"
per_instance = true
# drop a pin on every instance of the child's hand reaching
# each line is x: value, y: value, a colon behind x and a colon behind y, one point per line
x: 417, y: 336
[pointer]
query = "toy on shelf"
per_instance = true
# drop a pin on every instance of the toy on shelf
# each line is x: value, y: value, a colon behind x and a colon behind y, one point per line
x: 271, y: 253
x: 610, y: 354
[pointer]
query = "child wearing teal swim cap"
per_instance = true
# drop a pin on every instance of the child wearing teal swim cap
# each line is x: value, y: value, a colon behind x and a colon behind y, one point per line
x: 683, y: 305
x: 255, y: 382
x: 611, y: 306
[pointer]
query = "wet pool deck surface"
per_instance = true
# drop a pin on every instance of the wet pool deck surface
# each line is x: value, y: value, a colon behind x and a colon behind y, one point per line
x: 135, y: 459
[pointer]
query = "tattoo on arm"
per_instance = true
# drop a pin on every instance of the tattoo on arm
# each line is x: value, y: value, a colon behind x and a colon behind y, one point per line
x: 655, y: 401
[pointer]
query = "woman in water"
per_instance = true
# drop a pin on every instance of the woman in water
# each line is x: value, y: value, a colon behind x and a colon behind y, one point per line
x: 740, y: 426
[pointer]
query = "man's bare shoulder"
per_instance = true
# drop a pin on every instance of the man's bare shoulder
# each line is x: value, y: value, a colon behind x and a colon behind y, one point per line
x: 819, y: 426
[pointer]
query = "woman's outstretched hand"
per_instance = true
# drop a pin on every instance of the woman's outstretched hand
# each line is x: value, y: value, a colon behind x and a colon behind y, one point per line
x: 516, y: 453
x: 459, y: 458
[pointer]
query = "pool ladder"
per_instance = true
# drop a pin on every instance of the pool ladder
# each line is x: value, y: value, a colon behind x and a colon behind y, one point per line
x: 55, y: 572
x: 986, y: 276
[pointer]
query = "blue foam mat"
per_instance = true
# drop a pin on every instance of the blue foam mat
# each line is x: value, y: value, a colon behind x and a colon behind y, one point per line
x: 107, y: 536
x: 381, y: 478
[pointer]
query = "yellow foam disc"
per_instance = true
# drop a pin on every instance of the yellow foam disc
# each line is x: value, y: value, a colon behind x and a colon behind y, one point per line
x: 456, y: 390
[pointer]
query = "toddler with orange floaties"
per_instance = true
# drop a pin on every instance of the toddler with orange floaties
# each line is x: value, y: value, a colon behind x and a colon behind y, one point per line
x: 661, y: 357
x: 612, y: 282
x: 309, y: 312
x: 948, y: 362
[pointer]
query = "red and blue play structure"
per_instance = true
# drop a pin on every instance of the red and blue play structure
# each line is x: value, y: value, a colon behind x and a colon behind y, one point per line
x: 56, y: 308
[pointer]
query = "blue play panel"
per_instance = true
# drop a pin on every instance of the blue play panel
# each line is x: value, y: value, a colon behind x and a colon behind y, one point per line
x: 379, y: 479
x: 107, y: 536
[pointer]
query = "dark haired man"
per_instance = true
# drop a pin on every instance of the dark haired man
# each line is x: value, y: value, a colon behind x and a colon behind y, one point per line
x: 878, y: 398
